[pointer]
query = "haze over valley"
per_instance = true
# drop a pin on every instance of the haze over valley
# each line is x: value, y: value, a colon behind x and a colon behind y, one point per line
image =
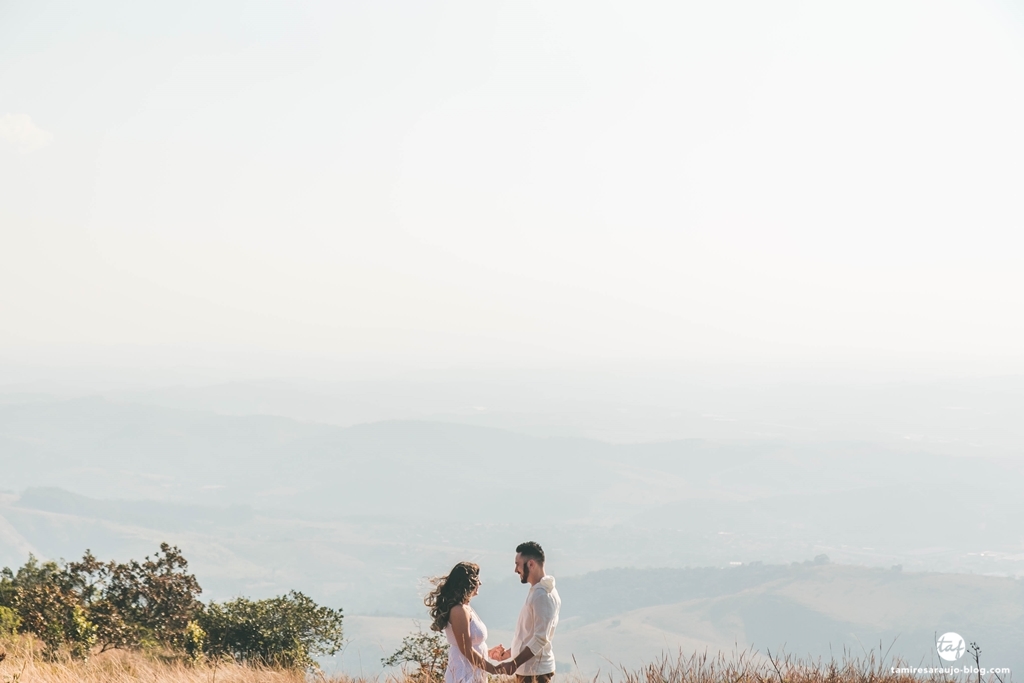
x: 789, y: 526
x: 717, y: 301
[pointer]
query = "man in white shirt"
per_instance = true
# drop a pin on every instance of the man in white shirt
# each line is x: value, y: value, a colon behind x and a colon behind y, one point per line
x: 532, y: 658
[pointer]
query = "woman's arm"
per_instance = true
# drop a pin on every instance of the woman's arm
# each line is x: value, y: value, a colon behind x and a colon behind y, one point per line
x: 459, y: 619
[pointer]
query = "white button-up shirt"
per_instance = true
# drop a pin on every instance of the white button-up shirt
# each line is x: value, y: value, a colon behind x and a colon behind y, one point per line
x: 536, y: 628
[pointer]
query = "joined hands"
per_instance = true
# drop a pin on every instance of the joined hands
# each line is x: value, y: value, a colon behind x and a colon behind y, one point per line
x: 500, y: 654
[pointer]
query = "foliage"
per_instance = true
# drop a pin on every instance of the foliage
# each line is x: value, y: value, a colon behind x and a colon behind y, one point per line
x: 76, y: 606
x: 81, y: 604
x: 194, y: 641
x: 427, y: 650
x: 286, y: 631
x: 155, y: 600
x: 10, y: 622
x: 46, y: 604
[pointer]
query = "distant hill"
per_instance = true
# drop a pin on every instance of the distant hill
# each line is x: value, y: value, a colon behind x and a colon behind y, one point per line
x: 967, y: 416
x: 158, y: 515
x: 105, y: 450
x: 443, y: 485
x: 358, y: 516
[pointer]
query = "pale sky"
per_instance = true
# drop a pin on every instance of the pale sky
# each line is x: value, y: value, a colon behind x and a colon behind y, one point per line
x: 750, y: 181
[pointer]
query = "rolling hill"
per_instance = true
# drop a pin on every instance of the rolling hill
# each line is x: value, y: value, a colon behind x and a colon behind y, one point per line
x: 358, y: 516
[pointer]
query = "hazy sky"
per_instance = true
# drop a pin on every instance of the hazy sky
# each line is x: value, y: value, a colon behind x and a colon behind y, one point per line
x: 514, y: 182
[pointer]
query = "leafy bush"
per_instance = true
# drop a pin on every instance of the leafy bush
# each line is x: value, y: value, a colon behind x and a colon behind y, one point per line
x: 43, y: 597
x: 286, y: 631
x: 76, y: 606
x: 155, y: 599
x: 10, y: 622
x: 427, y: 650
x: 81, y: 604
x: 195, y: 641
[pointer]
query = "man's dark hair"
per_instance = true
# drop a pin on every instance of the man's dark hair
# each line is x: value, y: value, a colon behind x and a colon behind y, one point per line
x: 531, y: 550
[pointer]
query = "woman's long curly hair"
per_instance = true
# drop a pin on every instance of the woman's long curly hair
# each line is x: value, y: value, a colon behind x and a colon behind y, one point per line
x: 451, y: 590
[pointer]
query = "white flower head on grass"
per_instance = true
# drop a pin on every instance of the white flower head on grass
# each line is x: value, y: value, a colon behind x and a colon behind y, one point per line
x: 19, y: 132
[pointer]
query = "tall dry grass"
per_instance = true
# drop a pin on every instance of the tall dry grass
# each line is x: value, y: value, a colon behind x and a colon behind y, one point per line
x: 24, y: 664
x: 753, y: 667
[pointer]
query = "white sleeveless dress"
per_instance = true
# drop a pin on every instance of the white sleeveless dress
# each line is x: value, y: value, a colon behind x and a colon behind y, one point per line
x: 460, y: 669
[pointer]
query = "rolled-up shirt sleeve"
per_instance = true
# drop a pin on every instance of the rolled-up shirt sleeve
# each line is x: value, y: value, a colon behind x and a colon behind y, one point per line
x: 544, y: 612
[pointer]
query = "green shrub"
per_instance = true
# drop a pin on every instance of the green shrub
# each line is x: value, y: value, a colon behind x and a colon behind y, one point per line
x: 74, y: 607
x: 48, y: 606
x: 287, y: 631
x: 194, y: 641
x: 154, y: 600
x: 10, y: 622
x: 79, y: 632
x: 77, y: 605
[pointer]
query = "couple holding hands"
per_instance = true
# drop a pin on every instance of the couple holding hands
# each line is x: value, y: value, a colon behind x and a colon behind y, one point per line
x: 469, y: 660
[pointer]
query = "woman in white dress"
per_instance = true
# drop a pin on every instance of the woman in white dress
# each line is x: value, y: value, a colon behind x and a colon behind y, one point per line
x: 466, y: 633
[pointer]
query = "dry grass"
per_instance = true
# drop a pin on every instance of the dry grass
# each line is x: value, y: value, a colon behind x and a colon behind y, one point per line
x: 23, y: 664
x: 753, y: 667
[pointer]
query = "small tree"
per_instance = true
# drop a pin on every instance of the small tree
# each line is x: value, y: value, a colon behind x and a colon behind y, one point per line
x: 427, y: 650
x: 90, y: 579
x: 78, y: 605
x: 44, y: 598
x: 151, y: 600
x: 72, y: 607
x: 46, y: 604
x: 287, y: 631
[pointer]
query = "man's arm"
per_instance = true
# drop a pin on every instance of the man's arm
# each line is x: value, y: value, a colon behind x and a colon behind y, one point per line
x: 511, y: 666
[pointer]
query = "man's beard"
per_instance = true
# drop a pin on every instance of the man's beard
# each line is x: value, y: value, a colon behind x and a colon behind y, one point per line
x: 524, y: 575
